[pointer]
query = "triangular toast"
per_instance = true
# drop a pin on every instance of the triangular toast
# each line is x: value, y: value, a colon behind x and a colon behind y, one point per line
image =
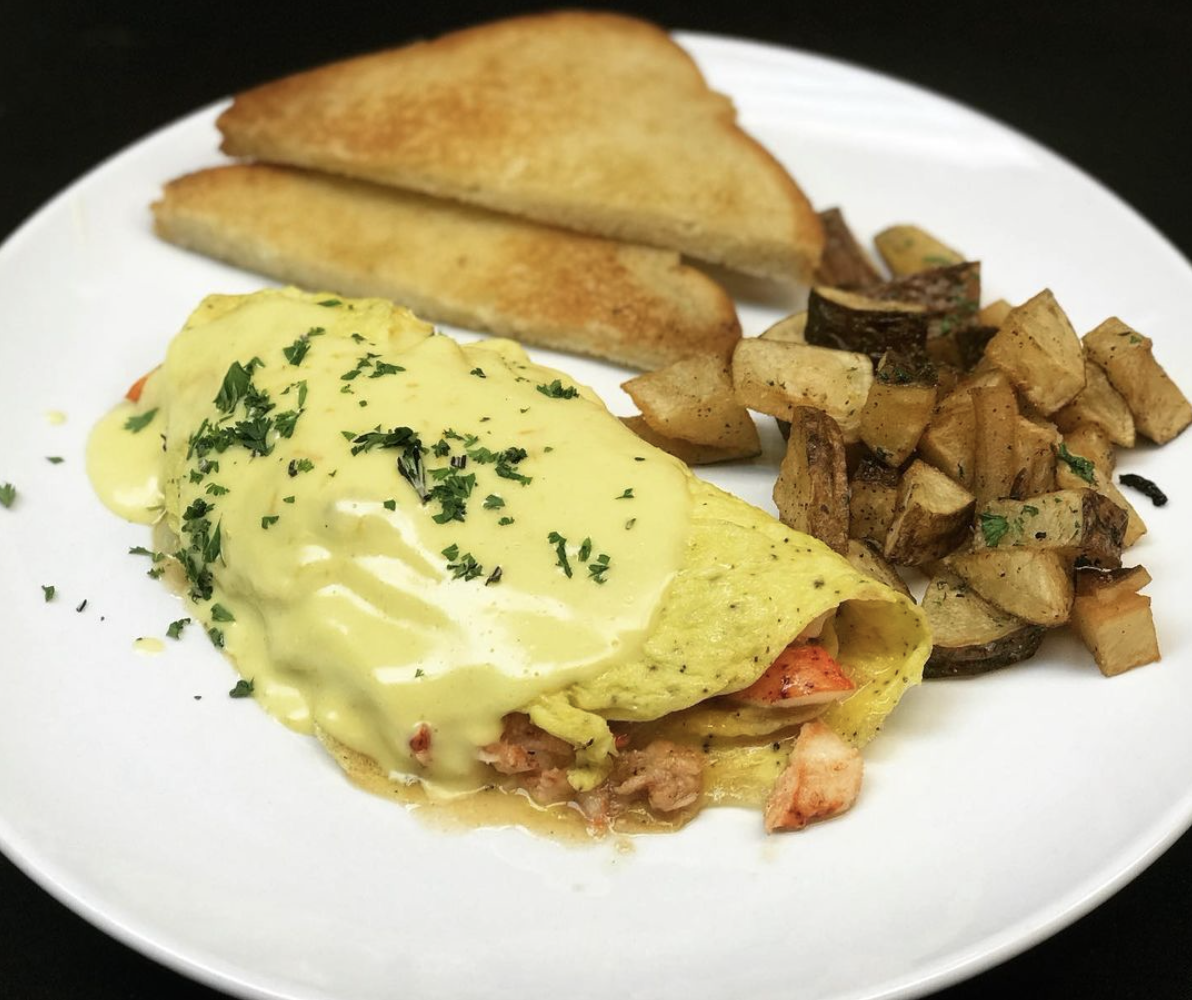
x: 452, y: 263
x: 595, y: 122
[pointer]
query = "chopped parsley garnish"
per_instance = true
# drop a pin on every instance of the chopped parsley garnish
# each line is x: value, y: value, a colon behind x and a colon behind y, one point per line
x: 993, y: 528
x: 585, y: 550
x: 215, y: 490
x: 287, y: 499
x: 390, y: 505
x: 221, y: 614
x: 493, y: 502
x: 463, y: 567
x: 504, y: 521
x: 216, y: 636
x: 597, y: 569
x: 236, y: 385
x: 1030, y: 510
x: 560, y: 544
x: 243, y: 689
x: 1083, y: 467
x: 138, y: 422
x: 626, y: 495
x: 55, y: 459
x: 630, y: 523
x: 440, y: 448
x: 48, y: 592
x: 329, y: 303
x: 299, y: 465
x: 385, y: 368
x: 451, y: 491
x: 296, y: 351
x: 478, y: 372
x: 556, y: 390
x: 419, y: 672
x: 494, y: 577
x: 8, y: 493
x: 269, y: 519
x: 174, y: 630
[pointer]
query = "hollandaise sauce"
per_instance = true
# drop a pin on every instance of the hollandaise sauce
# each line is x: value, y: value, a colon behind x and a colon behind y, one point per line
x: 389, y: 532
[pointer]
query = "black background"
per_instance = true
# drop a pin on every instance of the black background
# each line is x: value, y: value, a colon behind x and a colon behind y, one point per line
x: 1107, y: 85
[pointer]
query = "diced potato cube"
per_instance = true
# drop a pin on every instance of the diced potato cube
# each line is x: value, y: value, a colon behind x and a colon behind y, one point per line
x: 1119, y: 633
x: 775, y: 378
x: 1033, y: 584
x: 1099, y: 404
x: 873, y: 491
x: 791, y: 330
x: 684, y: 451
x: 1035, y: 444
x: 931, y: 516
x: 1079, y: 523
x: 812, y: 488
x: 1109, y: 585
x: 1037, y: 347
x: 907, y: 249
x: 899, y: 406
x: 995, y: 431
x: 1160, y: 410
x: 995, y: 313
x: 843, y: 264
x: 693, y: 400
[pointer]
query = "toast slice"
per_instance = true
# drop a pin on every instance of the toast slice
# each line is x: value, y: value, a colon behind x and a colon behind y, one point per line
x: 452, y: 263
x: 590, y: 121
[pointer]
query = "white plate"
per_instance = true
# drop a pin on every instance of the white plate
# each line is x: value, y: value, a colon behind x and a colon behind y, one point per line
x: 209, y: 837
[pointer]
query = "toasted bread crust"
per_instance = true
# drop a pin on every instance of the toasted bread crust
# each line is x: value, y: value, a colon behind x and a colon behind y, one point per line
x: 451, y: 263
x: 592, y: 121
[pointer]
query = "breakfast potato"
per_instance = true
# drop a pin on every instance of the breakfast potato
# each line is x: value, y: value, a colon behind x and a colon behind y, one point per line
x: 970, y: 635
x: 995, y: 434
x: 812, y: 488
x: 951, y: 295
x: 776, y: 378
x: 854, y: 321
x: 931, y: 516
x: 1032, y: 584
x: 873, y: 492
x: 684, y: 451
x: 693, y: 400
x: 864, y: 558
x: 1160, y: 409
x: 1040, y: 352
x: 1079, y: 523
x: 1086, y: 458
x: 1114, y: 620
x: 948, y: 440
x: 791, y: 330
x: 1101, y: 404
x: 899, y: 406
x: 1035, y: 446
x: 907, y: 249
x: 844, y: 263
x: 994, y: 314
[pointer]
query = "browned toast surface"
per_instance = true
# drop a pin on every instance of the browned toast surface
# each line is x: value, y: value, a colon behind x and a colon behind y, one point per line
x: 451, y: 263
x: 596, y: 122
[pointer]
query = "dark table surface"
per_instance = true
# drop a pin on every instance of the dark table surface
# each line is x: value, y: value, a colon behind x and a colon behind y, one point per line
x: 1107, y: 85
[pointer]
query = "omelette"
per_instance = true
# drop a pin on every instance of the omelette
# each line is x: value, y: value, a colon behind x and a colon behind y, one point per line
x: 461, y: 572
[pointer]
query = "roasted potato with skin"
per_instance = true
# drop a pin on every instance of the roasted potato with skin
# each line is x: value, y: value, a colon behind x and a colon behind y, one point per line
x: 1087, y: 459
x: 1080, y: 524
x: 1101, y: 404
x: 1115, y: 621
x: 776, y: 378
x: 854, y: 321
x: 995, y: 433
x: 812, y: 488
x: 693, y: 400
x: 907, y: 249
x: 1035, y: 445
x: 791, y: 330
x: 931, y: 516
x: 969, y: 635
x: 864, y: 558
x: 1160, y: 409
x: 899, y: 406
x: 1034, y: 585
x: 684, y: 451
x: 844, y: 263
x: 1040, y: 352
x: 873, y: 492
